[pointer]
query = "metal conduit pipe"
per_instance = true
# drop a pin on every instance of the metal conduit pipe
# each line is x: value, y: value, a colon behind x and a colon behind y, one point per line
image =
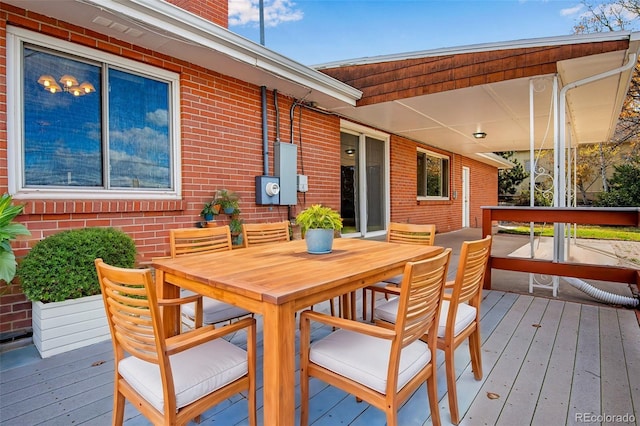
x: 265, y: 134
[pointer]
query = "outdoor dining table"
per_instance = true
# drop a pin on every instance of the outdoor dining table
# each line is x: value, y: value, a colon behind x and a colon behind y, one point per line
x: 276, y: 281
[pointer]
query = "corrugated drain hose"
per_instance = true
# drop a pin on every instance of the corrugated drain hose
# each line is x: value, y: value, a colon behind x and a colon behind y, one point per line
x: 602, y: 295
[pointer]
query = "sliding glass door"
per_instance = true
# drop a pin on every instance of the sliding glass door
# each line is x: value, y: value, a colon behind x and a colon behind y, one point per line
x: 364, y: 186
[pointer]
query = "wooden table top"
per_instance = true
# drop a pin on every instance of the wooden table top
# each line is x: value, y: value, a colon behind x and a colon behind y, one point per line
x: 280, y: 273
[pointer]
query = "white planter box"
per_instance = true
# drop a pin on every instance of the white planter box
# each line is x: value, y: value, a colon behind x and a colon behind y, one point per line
x: 62, y: 326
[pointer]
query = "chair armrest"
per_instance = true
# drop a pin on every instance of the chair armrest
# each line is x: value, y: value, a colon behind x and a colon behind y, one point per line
x: 195, y: 337
x: 346, y: 324
x: 180, y: 300
x: 392, y: 289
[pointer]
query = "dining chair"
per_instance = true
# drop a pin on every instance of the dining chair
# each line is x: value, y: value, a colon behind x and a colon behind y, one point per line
x: 194, y: 241
x: 460, y: 318
x: 381, y: 365
x: 265, y: 233
x: 402, y: 233
x: 170, y: 380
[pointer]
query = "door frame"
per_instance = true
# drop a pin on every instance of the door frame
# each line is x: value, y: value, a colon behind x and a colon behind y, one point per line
x: 362, y: 132
x: 466, y: 172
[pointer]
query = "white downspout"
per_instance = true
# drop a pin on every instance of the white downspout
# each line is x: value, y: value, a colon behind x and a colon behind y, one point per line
x: 560, y: 197
x: 560, y: 170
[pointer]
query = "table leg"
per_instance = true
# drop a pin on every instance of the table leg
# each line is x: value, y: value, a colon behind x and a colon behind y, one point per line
x: 279, y: 364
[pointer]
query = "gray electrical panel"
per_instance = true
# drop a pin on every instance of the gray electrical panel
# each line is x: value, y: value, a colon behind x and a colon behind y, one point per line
x: 286, y: 168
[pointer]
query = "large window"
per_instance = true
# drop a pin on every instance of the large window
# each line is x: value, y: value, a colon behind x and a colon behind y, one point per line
x: 432, y: 175
x: 90, y: 123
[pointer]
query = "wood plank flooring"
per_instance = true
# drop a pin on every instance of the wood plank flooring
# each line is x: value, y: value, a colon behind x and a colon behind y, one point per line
x: 545, y: 362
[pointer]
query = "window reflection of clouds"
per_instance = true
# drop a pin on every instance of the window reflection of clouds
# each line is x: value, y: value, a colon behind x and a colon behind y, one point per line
x: 140, y: 135
x: 63, y: 133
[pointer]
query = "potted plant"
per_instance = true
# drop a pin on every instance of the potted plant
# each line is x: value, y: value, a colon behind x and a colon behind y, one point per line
x: 235, y: 227
x: 228, y: 200
x: 209, y: 211
x: 59, y: 276
x: 318, y: 224
x: 9, y: 230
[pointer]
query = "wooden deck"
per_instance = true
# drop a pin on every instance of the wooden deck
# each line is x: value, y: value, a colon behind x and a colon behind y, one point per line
x: 546, y: 362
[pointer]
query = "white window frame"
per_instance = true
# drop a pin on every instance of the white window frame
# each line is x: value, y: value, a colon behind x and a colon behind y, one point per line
x: 15, y: 162
x: 449, y: 177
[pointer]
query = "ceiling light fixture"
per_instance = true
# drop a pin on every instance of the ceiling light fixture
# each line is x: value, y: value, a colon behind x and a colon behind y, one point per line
x: 350, y: 151
x: 69, y: 85
x: 479, y: 135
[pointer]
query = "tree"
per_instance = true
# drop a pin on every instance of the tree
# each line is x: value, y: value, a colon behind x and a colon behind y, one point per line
x: 509, y: 179
x: 625, y: 186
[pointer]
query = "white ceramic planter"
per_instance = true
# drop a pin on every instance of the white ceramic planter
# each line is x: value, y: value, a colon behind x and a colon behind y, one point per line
x: 62, y: 326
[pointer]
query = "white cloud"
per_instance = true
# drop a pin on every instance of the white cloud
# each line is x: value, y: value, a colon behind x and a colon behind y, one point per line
x: 159, y: 117
x: 246, y: 12
x: 572, y: 10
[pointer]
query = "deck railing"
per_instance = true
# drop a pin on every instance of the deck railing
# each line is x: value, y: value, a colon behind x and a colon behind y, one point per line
x: 629, y: 216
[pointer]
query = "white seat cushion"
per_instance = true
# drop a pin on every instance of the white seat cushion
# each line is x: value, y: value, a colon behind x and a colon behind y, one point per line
x: 387, y: 311
x: 364, y: 359
x: 213, y: 311
x: 196, y: 372
x: 464, y: 316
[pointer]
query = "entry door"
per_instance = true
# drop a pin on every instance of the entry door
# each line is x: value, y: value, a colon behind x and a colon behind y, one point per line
x: 364, y: 186
x: 465, y: 197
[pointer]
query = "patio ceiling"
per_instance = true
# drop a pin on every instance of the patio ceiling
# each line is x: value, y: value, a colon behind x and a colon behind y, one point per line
x: 445, y: 119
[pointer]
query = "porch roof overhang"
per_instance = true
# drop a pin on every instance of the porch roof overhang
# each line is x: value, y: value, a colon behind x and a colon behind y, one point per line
x: 162, y: 27
x: 441, y: 97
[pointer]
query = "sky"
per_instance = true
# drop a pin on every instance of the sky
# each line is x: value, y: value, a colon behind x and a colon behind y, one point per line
x: 319, y: 31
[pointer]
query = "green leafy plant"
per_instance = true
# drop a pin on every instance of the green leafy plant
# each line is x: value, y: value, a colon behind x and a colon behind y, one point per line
x: 61, y: 266
x: 9, y: 230
x: 210, y: 208
x: 228, y: 200
x: 319, y: 217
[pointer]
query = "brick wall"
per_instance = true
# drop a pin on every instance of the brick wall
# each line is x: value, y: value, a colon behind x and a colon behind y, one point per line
x: 216, y: 11
x: 447, y: 214
x: 221, y: 135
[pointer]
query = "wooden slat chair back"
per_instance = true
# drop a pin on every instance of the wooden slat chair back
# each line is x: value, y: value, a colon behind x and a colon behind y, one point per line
x: 185, y: 241
x: 343, y: 358
x: 402, y: 233
x: 410, y: 233
x: 461, y: 314
x: 194, y: 241
x: 265, y: 233
x: 170, y: 380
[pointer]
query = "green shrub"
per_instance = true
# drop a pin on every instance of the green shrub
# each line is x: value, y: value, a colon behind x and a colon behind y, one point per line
x: 61, y: 266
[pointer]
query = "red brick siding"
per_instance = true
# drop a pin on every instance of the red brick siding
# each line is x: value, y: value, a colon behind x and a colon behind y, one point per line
x: 446, y: 215
x: 216, y: 11
x: 221, y: 136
